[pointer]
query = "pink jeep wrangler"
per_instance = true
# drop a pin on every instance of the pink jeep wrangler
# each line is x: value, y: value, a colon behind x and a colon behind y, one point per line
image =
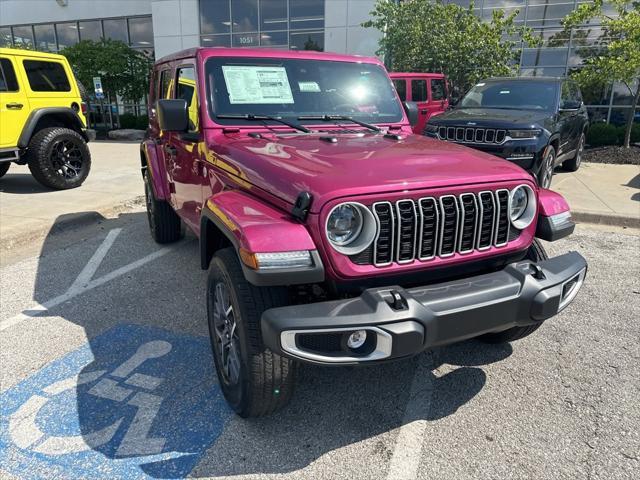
x: 333, y: 234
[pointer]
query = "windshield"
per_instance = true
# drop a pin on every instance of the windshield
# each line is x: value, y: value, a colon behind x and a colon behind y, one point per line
x: 517, y: 94
x: 293, y: 88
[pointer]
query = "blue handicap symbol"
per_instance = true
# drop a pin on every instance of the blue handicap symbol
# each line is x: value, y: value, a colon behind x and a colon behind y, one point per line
x: 134, y: 402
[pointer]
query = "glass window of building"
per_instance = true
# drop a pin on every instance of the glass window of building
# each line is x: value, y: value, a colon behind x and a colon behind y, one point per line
x: 216, y: 40
x: 307, y: 41
x: 45, y: 37
x: 5, y: 37
x: 8, y: 81
x: 141, y: 31
x: 91, y: 30
x: 23, y: 36
x: 274, y: 39
x: 45, y: 76
x: 306, y: 14
x: 67, y: 34
x: 273, y: 15
x: 215, y: 16
x: 244, y: 15
x: 116, y: 29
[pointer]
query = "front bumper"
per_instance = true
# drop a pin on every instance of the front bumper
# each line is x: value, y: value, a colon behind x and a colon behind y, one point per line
x: 403, y: 322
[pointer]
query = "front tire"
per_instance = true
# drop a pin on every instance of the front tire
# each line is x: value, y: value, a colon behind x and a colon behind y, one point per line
x: 4, y: 168
x: 574, y: 164
x: 254, y: 380
x: 546, y: 169
x: 536, y: 253
x: 59, y: 158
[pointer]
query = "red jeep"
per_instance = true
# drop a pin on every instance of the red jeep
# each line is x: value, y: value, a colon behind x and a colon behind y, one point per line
x: 332, y: 233
x: 429, y: 91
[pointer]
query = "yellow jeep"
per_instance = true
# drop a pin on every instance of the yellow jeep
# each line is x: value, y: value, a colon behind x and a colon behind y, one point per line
x: 42, y: 122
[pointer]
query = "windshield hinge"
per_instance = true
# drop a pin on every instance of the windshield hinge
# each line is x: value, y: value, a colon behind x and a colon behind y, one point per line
x: 301, y: 208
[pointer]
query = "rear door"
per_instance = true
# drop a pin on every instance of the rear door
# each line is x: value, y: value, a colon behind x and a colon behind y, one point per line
x: 14, y: 103
x: 420, y: 95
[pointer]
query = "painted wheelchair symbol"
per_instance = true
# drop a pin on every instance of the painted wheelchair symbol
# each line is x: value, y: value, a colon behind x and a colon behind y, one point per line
x: 115, y: 386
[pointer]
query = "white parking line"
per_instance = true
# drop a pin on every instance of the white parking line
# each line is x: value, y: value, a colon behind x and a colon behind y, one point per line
x: 406, y: 456
x: 83, y: 282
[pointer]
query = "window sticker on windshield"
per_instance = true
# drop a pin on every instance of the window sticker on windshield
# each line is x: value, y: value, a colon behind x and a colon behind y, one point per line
x: 309, y: 86
x: 265, y: 85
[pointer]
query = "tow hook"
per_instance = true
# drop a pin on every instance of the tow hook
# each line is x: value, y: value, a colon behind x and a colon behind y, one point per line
x: 395, y: 300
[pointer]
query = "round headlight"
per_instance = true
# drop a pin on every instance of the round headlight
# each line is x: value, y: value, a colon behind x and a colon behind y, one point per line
x: 522, y: 206
x: 344, y: 224
x: 350, y: 228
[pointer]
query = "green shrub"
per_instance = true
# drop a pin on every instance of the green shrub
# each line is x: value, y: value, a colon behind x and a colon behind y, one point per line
x: 128, y: 120
x: 601, y: 134
x: 142, y: 122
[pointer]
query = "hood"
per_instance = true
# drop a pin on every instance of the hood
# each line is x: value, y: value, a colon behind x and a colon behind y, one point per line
x: 286, y: 165
x: 491, y: 117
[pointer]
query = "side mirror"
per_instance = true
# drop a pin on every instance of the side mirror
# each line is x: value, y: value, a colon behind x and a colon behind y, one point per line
x: 411, y: 108
x: 570, y: 105
x: 173, y: 115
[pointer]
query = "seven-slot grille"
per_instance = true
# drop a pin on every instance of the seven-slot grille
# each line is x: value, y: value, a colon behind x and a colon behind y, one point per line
x: 429, y: 227
x: 472, y: 134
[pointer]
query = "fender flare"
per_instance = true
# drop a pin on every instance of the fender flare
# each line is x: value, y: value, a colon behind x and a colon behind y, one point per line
x: 151, y: 162
x: 38, y: 114
x: 255, y: 227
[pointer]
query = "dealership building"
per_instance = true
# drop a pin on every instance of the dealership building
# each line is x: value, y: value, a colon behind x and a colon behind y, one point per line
x: 160, y: 27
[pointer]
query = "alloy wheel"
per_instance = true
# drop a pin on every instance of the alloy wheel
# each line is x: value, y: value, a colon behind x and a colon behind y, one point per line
x: 547, y: 170
x: 226, y: 334
x: 66, y: 159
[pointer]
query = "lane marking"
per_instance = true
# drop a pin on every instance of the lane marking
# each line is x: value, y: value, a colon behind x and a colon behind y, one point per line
x: 94, y: 262
x: 83, y: 283
x: 408, y: 450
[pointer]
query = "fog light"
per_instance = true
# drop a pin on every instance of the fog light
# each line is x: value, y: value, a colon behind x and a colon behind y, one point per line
x: 357, y: 339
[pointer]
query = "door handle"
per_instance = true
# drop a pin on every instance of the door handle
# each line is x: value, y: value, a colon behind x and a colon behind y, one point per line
x: 424, y: 111
x: 14, y: 106
x: 170, y: 149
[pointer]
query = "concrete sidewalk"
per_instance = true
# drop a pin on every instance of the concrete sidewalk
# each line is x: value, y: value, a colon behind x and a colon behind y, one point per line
x: 607, y: 194
x: 28, y: 210
x: 601, y: 193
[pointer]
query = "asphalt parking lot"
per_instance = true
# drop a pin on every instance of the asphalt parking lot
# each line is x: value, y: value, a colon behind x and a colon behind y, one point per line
x: 107, y: 373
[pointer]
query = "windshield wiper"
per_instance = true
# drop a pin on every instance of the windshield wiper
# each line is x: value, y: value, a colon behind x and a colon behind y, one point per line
x: 251, y: 117
x: 333, y: 118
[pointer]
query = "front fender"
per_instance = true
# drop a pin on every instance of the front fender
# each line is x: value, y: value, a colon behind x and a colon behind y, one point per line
x: 155, y: 166
x: 256, y: 227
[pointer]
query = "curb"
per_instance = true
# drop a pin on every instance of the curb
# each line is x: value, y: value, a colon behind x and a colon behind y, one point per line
x: 612, y: 219
x: 71, y: 222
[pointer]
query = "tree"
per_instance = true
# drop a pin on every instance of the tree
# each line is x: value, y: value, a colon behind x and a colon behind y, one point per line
x: 616, y: 60
x: 123, y: 70
x: 423, y: 36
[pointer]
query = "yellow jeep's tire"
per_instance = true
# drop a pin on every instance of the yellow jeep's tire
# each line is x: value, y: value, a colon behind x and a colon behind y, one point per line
x: 59, y: 158
x: 4, y: 166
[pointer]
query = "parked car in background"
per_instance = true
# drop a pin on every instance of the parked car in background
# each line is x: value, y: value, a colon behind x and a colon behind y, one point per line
x: 537, y: 123
x: 428, y: 90
x: 332, y: 233
x: 42, y: 122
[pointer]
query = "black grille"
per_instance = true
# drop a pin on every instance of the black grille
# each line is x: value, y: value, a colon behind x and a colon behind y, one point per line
x: 472, y: 134
x: 428, y: 242
x: 468, y: 225
x: 320, y: 342
x: 502, y: 224
x: 441, y: 227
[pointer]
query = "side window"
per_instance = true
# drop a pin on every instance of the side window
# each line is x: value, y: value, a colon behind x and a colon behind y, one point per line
x: 419, y: 90
x: 46, y: 76
x: 575, y: 92
x: 8, y: 80
x: 186, y: 89
x: 438, y: 90
x: 565, y: 95
x: 164, y: 85
x: 401, y: 88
